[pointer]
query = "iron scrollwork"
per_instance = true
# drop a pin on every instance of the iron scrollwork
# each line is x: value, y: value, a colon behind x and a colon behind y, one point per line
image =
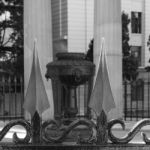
x: 16, y: 139
x: 131, y: 134
x: 62, y: 133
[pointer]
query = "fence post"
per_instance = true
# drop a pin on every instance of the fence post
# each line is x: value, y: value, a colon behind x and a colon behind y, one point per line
x: 36, y: 128
x: 125, y: 98
x: 102, y: 134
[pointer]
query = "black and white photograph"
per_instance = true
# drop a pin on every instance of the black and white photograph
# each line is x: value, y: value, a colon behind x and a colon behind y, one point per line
x: 75, y: 74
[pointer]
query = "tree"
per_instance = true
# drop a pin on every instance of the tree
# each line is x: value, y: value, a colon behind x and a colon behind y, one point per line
x: 11, y: 36
x: 148, y: 42
x: 147, y: 68
x: 130, y: 63
x: 89, y: 55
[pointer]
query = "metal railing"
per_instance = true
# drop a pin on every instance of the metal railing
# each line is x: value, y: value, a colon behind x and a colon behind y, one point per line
x: 136, y: 99
x: 136, y: 106
x: 11, y: 98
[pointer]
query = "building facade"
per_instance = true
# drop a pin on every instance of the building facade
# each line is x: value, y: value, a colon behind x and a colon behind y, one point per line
x: 139, y: 14
x: 72, y: 23
x: 73, y: 26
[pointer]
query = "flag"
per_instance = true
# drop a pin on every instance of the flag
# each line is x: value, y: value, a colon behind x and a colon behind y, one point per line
x: 36, y: 97
x: 102, y: 96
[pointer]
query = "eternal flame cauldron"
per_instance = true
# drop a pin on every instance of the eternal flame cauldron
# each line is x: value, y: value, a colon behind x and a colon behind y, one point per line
x: 72, y: 70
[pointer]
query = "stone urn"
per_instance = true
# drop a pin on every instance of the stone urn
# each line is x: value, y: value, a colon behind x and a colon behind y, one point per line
x: 72, y: 70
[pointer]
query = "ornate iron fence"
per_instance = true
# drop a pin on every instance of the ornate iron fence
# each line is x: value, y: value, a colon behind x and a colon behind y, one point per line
x: 11, y: 98
x: 136, y: 100
x: 50, y: 135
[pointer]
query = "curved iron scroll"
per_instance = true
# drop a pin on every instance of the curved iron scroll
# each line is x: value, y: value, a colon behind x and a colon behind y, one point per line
x: 68, y: 129
x: 16, y: 139
x: 131, y: 134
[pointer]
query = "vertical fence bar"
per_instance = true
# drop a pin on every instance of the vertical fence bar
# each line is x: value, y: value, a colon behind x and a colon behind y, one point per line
x: 148, y: 94
x: 1, y: 97
x: 10, y: 107
x: 136, y: 100
x: 3, y: 93
x: 78, y: 99
x: 125, y: 99
x: 85, y: 99
x: 15, y: 95
x: 10, y: 99
x: 131, y: 109
x: 146, y: 98
x: 22, y: 95
x: 143, y: 91
x: 82, y: 98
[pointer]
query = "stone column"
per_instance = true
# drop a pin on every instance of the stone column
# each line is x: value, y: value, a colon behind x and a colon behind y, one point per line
x: 107, y: 24
x: 37, y: 26
x: 145, y: 32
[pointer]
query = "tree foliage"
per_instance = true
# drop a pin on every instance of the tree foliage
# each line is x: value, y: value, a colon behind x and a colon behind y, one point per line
x: 89, y: 55
x: 130, y: 63
x: 148, y: 42
x: 11, y: 36
x: 147, y: 68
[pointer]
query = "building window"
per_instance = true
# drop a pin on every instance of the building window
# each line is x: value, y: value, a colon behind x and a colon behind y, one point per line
x: 136, y: 20
x: 136, y: 53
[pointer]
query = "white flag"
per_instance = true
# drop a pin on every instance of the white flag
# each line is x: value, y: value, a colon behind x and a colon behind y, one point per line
x: 102, y: 96
x: 36, y: 97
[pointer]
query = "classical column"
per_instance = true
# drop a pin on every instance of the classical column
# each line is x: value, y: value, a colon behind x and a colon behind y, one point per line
x: 145, y: 33
x: 107, y: 24
x: 37, y: 27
